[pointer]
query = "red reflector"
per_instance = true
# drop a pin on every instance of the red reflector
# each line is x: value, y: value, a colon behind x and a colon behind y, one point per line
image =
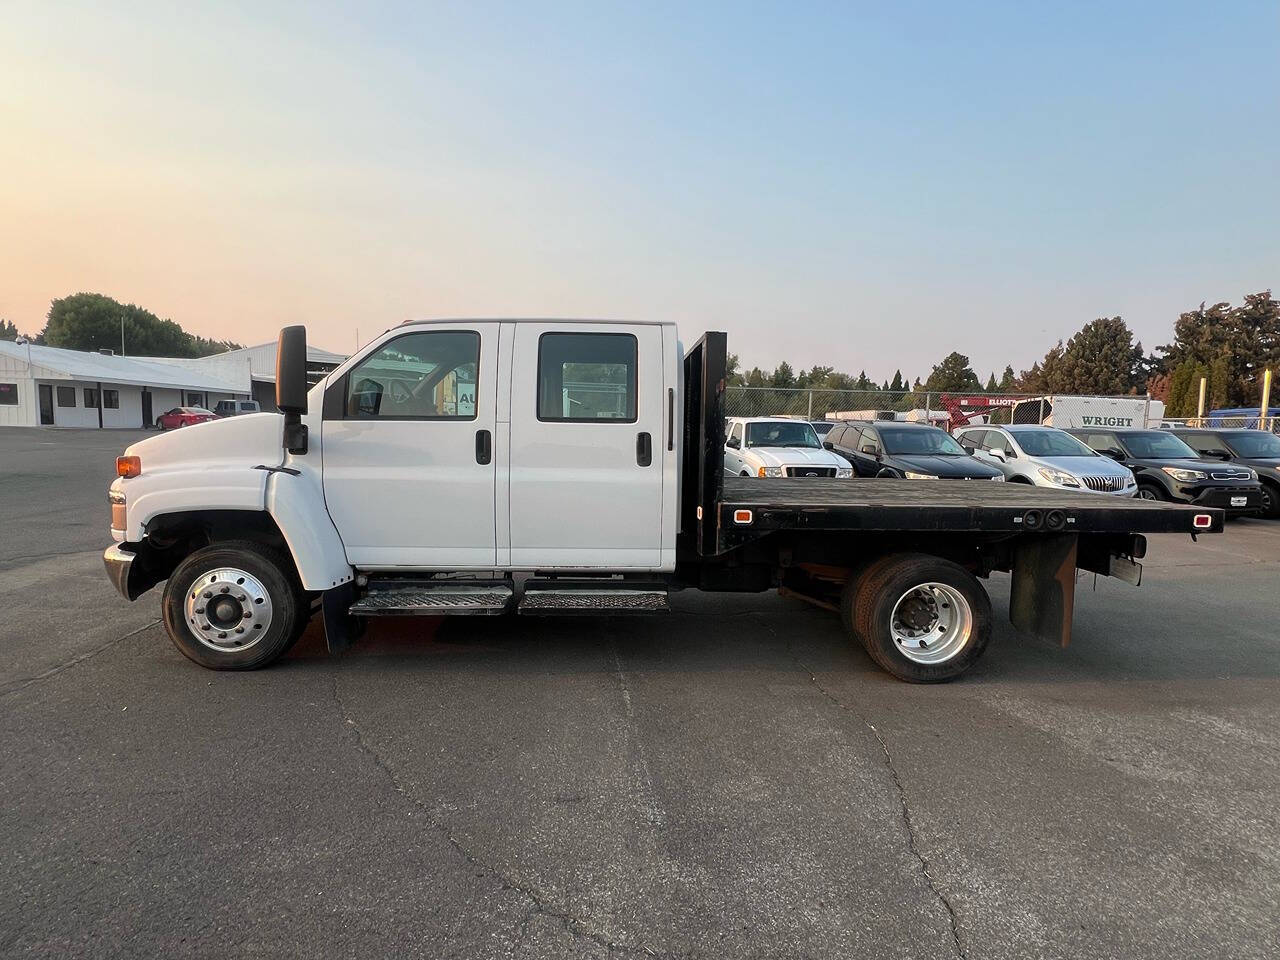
x: 742, y: 516
x: 1202, y: 520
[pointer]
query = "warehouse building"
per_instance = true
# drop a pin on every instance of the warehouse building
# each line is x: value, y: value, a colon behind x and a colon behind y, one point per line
x: 51, y: 387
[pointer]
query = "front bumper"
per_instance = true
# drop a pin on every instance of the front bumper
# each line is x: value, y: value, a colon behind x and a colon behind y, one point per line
x: 1223, y: 496
x: 119, y: 564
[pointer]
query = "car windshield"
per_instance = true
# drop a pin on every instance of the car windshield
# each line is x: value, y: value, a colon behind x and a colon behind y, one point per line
x: 781, y: 433
x: 1255, y: 443
x: 926, y: 440
x: 1050, y: 443
x: 1155, y: 445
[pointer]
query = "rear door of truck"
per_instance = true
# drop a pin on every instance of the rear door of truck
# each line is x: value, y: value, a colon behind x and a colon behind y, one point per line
x: 587, y: 445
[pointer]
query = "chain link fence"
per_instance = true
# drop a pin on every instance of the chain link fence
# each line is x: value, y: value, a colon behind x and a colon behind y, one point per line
x: 1225, y: 422
x: 947, y: 410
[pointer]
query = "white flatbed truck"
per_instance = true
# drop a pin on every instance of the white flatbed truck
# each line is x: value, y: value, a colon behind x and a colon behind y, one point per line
x: 548, y: 467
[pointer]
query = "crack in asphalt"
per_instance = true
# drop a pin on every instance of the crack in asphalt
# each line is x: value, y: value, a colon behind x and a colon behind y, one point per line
x: 573, y: 925
x: 18, y: 685
x: 912, y: 840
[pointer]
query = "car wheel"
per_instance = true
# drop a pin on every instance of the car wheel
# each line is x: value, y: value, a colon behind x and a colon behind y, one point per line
x: 1021, y: 479
x: 160, y: 424
x: 922, y: 618
x: 234, y: 606
x: 1149, y: 491
x: 1270, y: 501
x: 887, y: 474
x: 744, y: 474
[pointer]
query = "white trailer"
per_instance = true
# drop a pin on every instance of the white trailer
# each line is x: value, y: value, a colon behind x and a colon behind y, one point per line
x: 1066, y: 412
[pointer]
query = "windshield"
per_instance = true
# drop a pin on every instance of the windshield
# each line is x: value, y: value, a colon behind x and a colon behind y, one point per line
x: 1156, y: 445
x: 780, y: 433
x: 924, y: 440
x: 1256, y: 443
x: 1050, y: 443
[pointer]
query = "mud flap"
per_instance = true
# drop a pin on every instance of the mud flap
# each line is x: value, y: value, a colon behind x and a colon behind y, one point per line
x: 341, y: 629
x: 1042, y: 597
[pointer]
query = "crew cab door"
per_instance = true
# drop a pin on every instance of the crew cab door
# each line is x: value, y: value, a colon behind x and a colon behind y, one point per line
x: 588, y: 439
x: 408, y: 450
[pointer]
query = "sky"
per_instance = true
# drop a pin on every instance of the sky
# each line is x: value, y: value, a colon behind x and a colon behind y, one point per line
x: 865, y: 186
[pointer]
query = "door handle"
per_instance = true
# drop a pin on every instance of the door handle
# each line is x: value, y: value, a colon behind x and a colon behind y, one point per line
x: 484, y: 447
x: 644, y: 449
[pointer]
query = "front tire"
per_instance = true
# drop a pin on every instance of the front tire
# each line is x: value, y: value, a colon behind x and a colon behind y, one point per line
x: 1149, y: 491
x: 1270, y: 501
x: 923, y: 619
x: 234, y: 606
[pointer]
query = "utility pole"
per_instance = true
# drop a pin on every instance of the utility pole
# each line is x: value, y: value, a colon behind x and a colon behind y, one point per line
x: 122, y: 334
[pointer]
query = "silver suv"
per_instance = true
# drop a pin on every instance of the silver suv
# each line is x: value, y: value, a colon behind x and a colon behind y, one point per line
x: 1047, y: 457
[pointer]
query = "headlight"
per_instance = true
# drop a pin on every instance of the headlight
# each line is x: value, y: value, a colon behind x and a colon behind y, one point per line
x: 771, y: 472
x: 1129, y: 481
x: 844, y: 472
x: 1186, y: 476
x: 920, y: 476
x: 1058, y: 477
x: 998, y: 478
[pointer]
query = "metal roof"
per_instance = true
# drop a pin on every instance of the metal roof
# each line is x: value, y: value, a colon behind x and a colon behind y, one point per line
x: 54, y: 363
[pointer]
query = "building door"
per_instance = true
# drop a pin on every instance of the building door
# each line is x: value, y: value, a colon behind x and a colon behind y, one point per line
x: 148, y: 420
x: 46, y: 405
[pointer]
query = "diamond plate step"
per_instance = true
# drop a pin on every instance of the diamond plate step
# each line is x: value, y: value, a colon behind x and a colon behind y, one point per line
x: 433, y: 601
x: 592, y: 601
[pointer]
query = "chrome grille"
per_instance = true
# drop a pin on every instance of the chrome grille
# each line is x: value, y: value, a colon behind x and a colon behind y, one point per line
x: 1230, y: 475
x: 1105, y: 484
x: 811, y: 471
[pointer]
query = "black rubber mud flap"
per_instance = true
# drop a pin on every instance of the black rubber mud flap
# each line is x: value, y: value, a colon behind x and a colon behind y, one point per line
x: 1042, y: 598
x: 341, y: 629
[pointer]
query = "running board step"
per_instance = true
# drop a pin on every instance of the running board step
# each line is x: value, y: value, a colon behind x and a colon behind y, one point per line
x: 434, y: 600
x: 592, y: 601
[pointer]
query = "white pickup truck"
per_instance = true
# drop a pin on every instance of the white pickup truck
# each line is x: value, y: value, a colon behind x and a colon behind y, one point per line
x: 554, y: 467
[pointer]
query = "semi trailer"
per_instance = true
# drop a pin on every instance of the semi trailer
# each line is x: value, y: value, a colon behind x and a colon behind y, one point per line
x: 548, y: 467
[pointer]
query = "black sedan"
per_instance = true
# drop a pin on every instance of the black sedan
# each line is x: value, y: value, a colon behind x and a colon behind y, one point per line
x: 911, y: 451
x: 1168, y: 469
x: 1256, y: 449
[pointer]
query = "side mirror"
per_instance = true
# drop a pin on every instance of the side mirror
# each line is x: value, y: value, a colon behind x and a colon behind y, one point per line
x: 291, y: 385
x: 969, y: 450
x: 1114, y: 454
x: 868, y: 449
x: 1220, y: 454
x: 997, y: 454
x: 828, y: 445
x: 733, y: 443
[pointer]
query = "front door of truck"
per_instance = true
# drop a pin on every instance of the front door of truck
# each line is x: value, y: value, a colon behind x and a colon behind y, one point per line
x: 588, y: 430
x: 408, y: 450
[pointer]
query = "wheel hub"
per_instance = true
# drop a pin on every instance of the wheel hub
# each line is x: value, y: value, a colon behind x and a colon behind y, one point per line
x: 227, y: 609
x: 931, y: 623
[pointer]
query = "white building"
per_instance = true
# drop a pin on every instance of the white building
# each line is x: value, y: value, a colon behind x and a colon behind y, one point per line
x: 48, y: 386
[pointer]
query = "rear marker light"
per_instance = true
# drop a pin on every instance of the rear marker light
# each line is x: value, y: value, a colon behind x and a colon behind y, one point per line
x: 742, y: 516
x: 128, y: 466
x: 1202, y: 521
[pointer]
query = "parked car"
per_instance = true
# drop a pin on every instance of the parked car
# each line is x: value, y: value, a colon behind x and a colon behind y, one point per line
x: 777, y: 447
x: 1047, y: 457
x: 1168, y: 469
x: 912, y: 451
x: 1256, y: 449
x: 232, y: 408
x: 183, y: 417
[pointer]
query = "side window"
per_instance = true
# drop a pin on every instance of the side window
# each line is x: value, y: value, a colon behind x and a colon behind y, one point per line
x: 585, y: 377
x: 834, y: 434
x: 972, y: 438
x: 1101, y: 441
x: 1202, y: 442
x: 998, y: 441
x: 111, y: 399
x: 90, y: 398
x: 66, y: 396
x: 430, y: 375
x: 870, y: 439
x: 852, y: 434
x: 736, y: 433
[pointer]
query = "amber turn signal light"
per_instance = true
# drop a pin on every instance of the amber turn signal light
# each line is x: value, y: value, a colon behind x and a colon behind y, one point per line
x: 128, y: 466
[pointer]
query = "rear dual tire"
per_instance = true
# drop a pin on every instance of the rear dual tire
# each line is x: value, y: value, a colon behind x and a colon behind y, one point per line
x: 921, y: 618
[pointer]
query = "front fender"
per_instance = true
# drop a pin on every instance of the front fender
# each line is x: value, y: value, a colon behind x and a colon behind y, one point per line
x: 296, y: 503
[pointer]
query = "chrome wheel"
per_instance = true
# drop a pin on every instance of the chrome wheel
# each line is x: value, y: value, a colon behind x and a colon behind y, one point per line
x: 1146, y: 493
x: 227, y: 609
x: 931, y: 623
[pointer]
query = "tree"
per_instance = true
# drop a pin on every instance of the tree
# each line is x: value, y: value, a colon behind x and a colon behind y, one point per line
x: 1007, y: 379
x: 8, y: 330
x: 992, y: 386
x: 91, y: 321
x: 782, y: 376
x: 1102, y: 359
x: 897, y: 384
x: 731, y: 374
x: 1232, y: 344
x: 953, y: 375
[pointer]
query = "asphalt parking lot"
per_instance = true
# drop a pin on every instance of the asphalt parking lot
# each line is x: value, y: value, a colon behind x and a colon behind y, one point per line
x: 730, y: 780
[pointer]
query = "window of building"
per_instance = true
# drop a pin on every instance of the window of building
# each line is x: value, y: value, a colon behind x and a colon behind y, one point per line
x: 90, y: 398
x: 8, y: 394
x: 587, y: 376
x: 66, y: 396
x: 430, y: 375
x: 111, y: 399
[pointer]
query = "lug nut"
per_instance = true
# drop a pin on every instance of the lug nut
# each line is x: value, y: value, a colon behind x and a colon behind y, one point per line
x: 226, y: 590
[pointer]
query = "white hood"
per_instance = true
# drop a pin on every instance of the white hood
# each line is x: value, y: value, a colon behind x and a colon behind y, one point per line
x: 795, y: 457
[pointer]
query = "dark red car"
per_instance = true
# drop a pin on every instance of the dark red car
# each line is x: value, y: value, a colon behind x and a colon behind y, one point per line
x: 183, y: 417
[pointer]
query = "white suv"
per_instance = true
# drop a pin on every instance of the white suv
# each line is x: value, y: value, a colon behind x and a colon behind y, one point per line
x: 778, y: 447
